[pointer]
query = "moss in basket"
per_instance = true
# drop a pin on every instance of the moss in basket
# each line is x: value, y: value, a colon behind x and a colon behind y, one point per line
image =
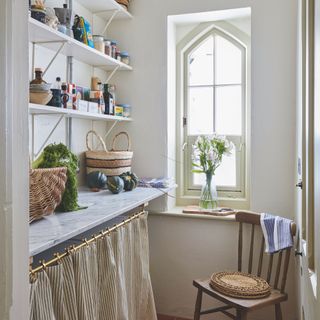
x: 58, y: 155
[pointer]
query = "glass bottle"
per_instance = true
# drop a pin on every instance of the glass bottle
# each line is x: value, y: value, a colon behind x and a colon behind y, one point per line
x: 108, y: 100
x: 57, y: 84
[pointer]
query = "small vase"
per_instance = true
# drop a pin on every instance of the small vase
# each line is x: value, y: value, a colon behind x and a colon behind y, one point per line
x: 209, y: 195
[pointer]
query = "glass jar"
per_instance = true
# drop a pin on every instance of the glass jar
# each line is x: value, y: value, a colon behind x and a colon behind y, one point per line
x: 118, y: 55
x: 126, y: 110
x: 98, y: 42
x: 125, y: 58
x: 113, y: 49
x: 107, y: 47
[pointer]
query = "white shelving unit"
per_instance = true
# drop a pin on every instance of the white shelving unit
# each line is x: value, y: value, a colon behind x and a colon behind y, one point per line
x: 38, y: 109
x: 105, y: 8
x: 49, y: 38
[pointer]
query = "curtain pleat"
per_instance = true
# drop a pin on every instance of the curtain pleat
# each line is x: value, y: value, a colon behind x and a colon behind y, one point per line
x: 41, y: 299
x: 105, y: 280
x: 63, y: 290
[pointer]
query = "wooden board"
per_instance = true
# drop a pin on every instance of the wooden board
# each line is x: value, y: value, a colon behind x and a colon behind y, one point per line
x: 219, y: 212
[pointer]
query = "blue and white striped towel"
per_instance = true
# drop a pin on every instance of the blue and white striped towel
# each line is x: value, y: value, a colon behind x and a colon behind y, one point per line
x: 276, y: 231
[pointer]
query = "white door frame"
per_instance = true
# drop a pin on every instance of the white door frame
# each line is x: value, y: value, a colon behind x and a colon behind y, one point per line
x: 308, y: 199
x: 14, y: 164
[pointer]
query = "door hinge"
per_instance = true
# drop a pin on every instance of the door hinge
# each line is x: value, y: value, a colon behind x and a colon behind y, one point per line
x: 184, y: 121
x: 299, y: 184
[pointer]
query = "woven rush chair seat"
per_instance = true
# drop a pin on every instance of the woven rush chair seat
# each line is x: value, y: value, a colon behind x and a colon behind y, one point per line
x: 275, y: 296
x: 240, y: 285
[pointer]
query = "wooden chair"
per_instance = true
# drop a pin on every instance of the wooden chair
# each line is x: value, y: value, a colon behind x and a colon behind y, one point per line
x: 243, y: 306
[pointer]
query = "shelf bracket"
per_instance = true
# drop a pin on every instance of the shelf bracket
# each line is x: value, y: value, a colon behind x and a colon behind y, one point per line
x: 54, y: 57
x: 114, y: 13
x: 110, y: 129
x: 35, y: 155
x: 112, y: 74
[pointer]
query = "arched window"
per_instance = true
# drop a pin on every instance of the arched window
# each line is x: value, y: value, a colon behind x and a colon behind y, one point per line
x: 215, y: 95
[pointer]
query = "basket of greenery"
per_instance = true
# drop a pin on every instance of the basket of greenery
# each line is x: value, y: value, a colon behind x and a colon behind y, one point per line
x: 45, y: 191
x: 56, y: 160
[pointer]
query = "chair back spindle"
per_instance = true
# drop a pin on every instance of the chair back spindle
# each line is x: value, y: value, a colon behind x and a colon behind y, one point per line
x: 251, y: 249
x: 261, y: 257
x: 278, y: 270
x: 253, y: 219
x: 240, y: 248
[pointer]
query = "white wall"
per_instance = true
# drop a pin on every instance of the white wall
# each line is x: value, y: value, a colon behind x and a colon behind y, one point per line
x: 272, y: 140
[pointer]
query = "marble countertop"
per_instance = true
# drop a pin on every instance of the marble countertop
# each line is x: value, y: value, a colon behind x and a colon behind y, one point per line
x: 102, y: 207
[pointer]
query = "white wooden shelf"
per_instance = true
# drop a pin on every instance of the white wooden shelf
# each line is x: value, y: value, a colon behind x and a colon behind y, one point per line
x: 105, y: 8
x: 47, y: 37
x: 38, y: 109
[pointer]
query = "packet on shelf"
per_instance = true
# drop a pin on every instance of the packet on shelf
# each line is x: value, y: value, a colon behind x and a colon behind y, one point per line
x: 83, y: 105
x: 93, y: 107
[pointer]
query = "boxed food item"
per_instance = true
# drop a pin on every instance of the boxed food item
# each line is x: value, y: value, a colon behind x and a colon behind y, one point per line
x: 93, y: 107
x: 83, y: 105
x: 118, y: 111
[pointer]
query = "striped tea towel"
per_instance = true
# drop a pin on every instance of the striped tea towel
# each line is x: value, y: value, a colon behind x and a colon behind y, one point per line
x: 276, y: 231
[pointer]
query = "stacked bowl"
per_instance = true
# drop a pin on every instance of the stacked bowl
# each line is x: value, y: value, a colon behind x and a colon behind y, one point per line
x: 40, y: 93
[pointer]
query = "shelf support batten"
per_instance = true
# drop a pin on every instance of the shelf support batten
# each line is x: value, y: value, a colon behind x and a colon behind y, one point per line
x: 54, y: 57
x: 112, y: 74
x: 35, y: 155
x: 111, y: 128
x: 114, y: 13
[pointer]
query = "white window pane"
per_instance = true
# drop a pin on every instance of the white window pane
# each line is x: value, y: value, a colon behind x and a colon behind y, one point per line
x: 228, y: 110
x: 200, y: 113
x: 201, y: 64
x: 228, y: 62
x: 225, y: 176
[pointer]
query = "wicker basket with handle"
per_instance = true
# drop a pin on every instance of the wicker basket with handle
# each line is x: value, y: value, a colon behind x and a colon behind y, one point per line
x: 46, y: 187
x: 111, y: 163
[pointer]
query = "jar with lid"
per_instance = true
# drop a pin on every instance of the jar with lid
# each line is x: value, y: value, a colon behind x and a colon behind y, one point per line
x: 125, y: 58
x: 107, y: 47
x: 38, y: 76
x: 118, y: 55
x: 113, y: 49
x: 98, y: 42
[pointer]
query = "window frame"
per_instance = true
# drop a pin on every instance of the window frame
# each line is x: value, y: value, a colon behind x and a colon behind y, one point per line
x: 189, y: 189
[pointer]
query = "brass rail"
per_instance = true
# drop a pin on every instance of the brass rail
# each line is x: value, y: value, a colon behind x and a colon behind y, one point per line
x: 72, y: 249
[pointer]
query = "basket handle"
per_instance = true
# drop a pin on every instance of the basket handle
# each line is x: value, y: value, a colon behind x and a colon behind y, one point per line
x: 98, y: 137
x: 119, y: 134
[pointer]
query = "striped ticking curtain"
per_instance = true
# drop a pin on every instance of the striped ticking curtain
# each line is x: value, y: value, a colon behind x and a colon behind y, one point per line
x: 106, y: 280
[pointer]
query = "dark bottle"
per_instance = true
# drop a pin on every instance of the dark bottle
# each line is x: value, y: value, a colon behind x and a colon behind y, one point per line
x: 108, y: 100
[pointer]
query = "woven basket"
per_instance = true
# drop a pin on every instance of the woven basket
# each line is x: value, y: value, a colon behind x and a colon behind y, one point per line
x: 240, y: 285
x: 111, y: 163
x: 45, y: 191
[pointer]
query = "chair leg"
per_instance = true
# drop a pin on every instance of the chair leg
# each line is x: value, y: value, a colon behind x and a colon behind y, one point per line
x: 197, y: 309
x: 242, y: 314
x: 277, y: 308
